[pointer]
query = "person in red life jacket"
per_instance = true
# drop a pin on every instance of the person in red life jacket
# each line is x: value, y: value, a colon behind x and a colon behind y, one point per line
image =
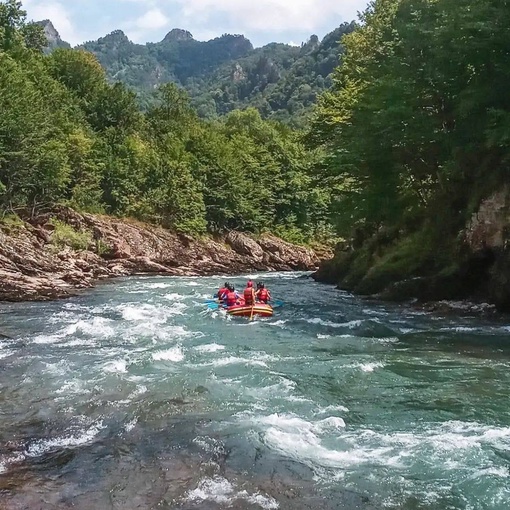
x: 231, y: 297
x: 223, y: 290
x: 263, y: 295
x: 249, y: 294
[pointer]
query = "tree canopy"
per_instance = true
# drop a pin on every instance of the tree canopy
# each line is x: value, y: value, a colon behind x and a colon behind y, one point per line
x: 69, y: 135
x: 415, y: 127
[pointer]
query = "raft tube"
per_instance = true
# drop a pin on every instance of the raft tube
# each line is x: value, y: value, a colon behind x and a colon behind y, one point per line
x: 260, y: 309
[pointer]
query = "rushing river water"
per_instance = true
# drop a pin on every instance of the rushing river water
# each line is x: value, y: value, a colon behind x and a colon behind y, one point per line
x: 133, y: 395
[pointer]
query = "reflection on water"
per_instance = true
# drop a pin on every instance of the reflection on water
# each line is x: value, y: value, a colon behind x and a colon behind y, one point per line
x: 134, y: 395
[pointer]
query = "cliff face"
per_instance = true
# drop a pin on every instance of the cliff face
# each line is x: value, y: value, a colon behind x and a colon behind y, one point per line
x: 476, y: 265
x: 52, y: 36
x: 34, y: 267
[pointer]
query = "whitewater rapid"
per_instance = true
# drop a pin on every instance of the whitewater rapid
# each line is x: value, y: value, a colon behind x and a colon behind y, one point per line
x: 134, y: 394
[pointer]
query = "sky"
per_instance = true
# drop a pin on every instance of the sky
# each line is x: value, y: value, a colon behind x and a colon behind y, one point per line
x: 261, y: 21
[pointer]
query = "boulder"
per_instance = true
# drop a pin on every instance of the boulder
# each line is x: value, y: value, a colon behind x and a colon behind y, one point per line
x: 245, y: 245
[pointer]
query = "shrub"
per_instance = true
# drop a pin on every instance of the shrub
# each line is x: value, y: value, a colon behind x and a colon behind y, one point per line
x: 10, y: 223
x: 65, y: 235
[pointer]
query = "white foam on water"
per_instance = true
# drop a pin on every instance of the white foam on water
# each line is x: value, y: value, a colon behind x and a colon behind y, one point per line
x: 177, y: 309
x: 140, y: 390
x: 279, y: 323
x: 388, y: 340
x: 280, y: 389
x: 90, y: 342
x: 294, y: 398
x: 159, y: 285
x: 368, y: 311
x: 97, y: 327
x: 214, y: 347
x: 322, y: 337
x: 275, y: 275
x: 209, y: 444
x: 349, y: 324
x: 368, y: 367
x: 42, y: 446
x: 145, y: 312
x: 130, y: 425
x: 234, y: 360
x: 333, y: 408
x: 460, y: 329
x: 7, y: 460
x: 498, y: 472
x: 301, y: 440
x: 62, y: 367
x: 116, y: 366
x: 259, y: 360
x: 220, y: 490
x: 174, y: 354
x: 293, y: 423
x: 5, y: 353
x: 47, y: 339
x: 174, y: 296
x: 73, y: 387
x: 159, y: 332
x: 265, y: 502
x: 330, y: 423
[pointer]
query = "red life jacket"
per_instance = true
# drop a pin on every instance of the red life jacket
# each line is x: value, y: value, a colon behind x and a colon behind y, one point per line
x: 231, y: 298
x: 222, y: 291
x: 248, y: 295
x: 264, y: 295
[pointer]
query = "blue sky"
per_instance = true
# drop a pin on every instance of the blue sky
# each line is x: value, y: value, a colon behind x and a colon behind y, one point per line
x: 262, y: 21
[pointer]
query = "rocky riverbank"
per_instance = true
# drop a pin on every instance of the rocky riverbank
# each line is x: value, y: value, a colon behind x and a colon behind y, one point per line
x: 470, y: 264
x: 33, y: 266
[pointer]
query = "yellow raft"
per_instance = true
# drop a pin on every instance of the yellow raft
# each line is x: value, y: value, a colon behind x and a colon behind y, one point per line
x: 260, y: 309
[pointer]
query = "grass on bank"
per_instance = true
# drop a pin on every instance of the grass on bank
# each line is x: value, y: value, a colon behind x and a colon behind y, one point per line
x: 64, y: 235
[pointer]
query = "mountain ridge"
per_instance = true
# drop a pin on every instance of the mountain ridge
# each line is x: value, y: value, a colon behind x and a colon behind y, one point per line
x: 280, y: 80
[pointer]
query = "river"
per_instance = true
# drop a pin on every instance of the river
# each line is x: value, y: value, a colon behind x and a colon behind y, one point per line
x: 134, y: 395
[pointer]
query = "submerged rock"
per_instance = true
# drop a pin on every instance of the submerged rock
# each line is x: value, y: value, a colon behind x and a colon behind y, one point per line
x: 32, y: 267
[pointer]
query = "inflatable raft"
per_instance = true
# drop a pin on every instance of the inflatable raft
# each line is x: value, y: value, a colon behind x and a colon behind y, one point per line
x: 259, y: 309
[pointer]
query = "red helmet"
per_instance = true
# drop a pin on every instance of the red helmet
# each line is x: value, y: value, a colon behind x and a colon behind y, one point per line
x: 249, y: 284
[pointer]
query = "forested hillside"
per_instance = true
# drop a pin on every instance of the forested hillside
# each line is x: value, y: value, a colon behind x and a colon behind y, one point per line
x: 68, y: 135
x: 409, y: 141
x: 226, y: 73
x: 416, y: 129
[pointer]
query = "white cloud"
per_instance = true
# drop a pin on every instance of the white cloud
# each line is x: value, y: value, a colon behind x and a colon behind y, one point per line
x: 57, y: 13
x: 154, y: 19
x: 143, y: 20
x: 273, y: 15
x: 142, y: 29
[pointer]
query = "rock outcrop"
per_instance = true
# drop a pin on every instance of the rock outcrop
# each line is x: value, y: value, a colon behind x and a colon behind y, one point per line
x: 33, y: 268
x: 478, y: 268
x: 52, y: 36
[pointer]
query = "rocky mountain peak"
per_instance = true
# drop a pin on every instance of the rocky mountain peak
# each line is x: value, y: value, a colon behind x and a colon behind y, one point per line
x: 52, y: 35
x: 116, y: 35
x: 178, y: 34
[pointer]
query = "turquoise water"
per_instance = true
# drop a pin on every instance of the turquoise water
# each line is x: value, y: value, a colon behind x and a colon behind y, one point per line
x: 134, y: 395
